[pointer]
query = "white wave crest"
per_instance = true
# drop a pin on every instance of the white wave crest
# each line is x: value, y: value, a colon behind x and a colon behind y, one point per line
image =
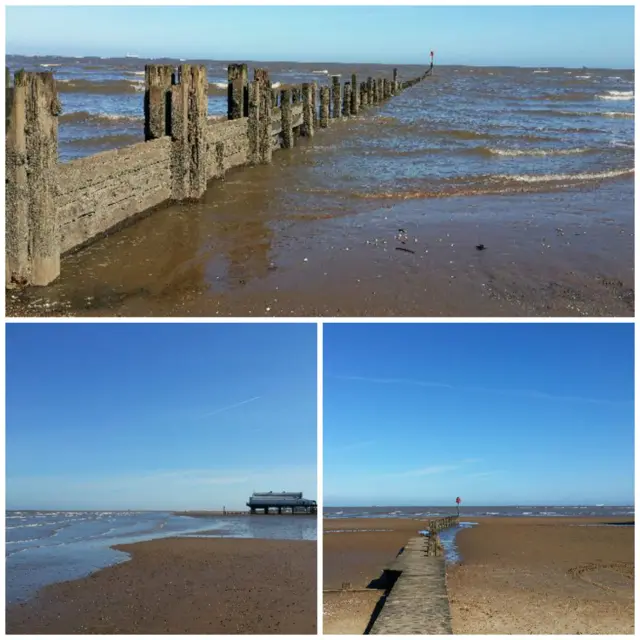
x: 615, y: 173
x: 583, y: 77
x: 537, y: 152
x: 540, y: 71
x: 617, y: 95
x: 322, y: 71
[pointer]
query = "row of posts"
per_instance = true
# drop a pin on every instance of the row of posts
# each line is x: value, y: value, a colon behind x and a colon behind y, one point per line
x: 175, y: 105
x: 433, y: 545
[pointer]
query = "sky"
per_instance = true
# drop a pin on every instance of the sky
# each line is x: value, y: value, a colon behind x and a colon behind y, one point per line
x: 498, y: 414
x: 158, y: 416
x: 571, y: 36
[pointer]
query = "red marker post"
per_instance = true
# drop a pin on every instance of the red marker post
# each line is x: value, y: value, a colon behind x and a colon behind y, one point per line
x: 458, y: 501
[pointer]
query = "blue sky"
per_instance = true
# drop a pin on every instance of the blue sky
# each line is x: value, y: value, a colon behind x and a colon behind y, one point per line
x: 158, y: 416
x: 478, y: 35
x: 499, y: 414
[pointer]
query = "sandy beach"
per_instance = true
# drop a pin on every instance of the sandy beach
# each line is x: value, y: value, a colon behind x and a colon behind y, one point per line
x: 356, y: 553
x: 543, y: 575
x: 184, y: 585
x: 518, y: 575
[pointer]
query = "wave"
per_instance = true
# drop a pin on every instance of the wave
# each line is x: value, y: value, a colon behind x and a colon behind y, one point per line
x: 580, y: 114
x: 540, y: 71
x: 583, y: 77
x: 617, y: 95
x: 464, y: 134
x: 105, y: 87
x: 322, y: 71
x: 51, y: 64
x: 564, y: 177
x: 575, y: 96
x: 495, y: 184
x: 114, y: 141
x: 535, y: 152
x: 85, y: 116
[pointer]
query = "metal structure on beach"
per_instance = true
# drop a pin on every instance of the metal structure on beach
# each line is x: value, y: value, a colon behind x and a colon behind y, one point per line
x: 284, y: 501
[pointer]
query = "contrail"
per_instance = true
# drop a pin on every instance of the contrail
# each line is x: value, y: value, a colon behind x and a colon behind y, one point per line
x: 231, y: 406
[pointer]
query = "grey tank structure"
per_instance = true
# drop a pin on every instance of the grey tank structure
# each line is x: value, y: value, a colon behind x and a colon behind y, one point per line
x: 290, y: 502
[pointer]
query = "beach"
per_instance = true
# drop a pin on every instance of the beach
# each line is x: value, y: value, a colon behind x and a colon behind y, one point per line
x: 184, y: 585
x: 543, y: 576
x: 518, y: 574
x: 356, y: 554
x: 379, y: 215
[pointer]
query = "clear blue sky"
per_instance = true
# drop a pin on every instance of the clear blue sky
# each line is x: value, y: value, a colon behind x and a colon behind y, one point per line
x: 499, y: 414
x: 513, y: 36
x: 158, y: 416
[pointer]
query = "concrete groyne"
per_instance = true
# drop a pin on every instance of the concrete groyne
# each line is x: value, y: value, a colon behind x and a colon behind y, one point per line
x: 417, y: 602
x: 55, y: 208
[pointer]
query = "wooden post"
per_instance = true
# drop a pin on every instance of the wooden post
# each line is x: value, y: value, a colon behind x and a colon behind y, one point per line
x: 238, y: 93
x: 346, y: 100
x: 335, y: 96
x: 370, y: 92
x: 157, y: 101
x: 32, y: 234
x: 266, y: 101
x: 325, y: 98
x: 287, y: 119
x: 307, y: 110
x: 188, y: 132
x: 295, y: 95
x: 395, y: 82
x: 254, y: 123
x: 355, y: 95
x: 314, y: 103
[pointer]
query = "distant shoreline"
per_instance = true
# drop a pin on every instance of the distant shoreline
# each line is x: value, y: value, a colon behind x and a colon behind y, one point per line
x: 230, y: 514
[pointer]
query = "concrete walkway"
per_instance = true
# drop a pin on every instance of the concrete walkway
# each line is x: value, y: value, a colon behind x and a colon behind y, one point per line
x: 418, y: 602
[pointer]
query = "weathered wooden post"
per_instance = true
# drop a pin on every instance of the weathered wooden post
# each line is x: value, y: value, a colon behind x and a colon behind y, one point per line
x: 325, y: 98
x: 395, y: 82
x: 265, y: 147
x: 238, y: 92
x: 355, y: 95
x: 287, y: 119
x: 314, y: 103
x: 32, y: 234
x: 254, y: 123
x: 157, y: 100
x: 346, y: 100
x: 188, y: 132
x: 379, y: 91
x: 275, y: 94
x: 307, y: 110
x: 335, y: 96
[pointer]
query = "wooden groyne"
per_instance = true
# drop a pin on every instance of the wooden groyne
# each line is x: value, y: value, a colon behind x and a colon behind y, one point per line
x: 54, y: 208
x: 417, y: 602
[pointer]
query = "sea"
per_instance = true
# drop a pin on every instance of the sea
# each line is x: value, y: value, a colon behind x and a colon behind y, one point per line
x: 44, y: 547
x: 380, y: 214
x: 575, y: 511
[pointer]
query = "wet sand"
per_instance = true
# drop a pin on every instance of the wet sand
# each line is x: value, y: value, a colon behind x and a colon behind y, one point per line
x: 246, y: 251
x: 179, y: 586
x: 543, y: 576
x: 358, y: 557
x: 517, y: 576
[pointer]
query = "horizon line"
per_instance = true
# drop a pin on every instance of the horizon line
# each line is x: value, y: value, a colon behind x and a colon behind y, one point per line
x: 227, y: 58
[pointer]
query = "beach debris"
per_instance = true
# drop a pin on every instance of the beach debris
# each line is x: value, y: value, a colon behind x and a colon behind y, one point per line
x: 402, y: 236
x: 480, y: 247
x: 405, y: 249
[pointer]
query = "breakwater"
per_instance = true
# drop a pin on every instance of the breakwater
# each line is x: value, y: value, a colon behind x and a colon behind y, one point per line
x: 54, y: 208
x: 417, y: 602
